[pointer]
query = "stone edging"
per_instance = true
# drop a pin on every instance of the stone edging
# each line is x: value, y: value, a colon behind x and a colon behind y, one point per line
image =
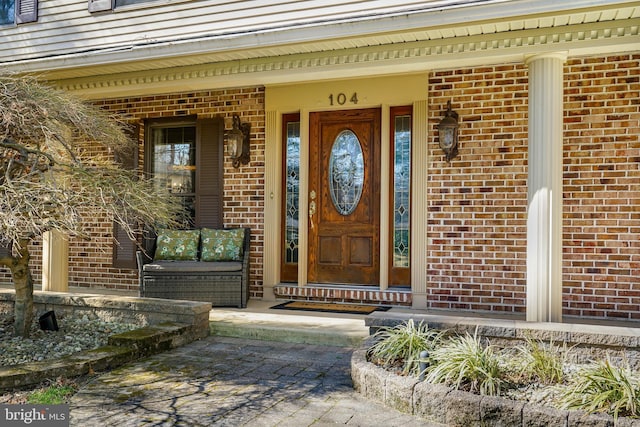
x: 165, y: 324
x: 587, y: 342
x: 441, y: 404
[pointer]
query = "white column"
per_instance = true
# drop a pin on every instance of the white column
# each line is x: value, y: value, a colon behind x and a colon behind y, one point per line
x: 544, y: 212
x: 386, y: 197
x: 55, y: 261
x: 419, y: 207
x: 303, y: 201
x: 272, y: 210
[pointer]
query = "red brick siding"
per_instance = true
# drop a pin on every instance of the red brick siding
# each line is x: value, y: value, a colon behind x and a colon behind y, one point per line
x: 358, y: 296
x: 477, y: 203
x: 90, y: 260
x: 602, y: 187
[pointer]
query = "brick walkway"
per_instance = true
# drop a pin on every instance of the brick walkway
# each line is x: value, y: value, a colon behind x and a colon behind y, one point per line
x: 233, y: 382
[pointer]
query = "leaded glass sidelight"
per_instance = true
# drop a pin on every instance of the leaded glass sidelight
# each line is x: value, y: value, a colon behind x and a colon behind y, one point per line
x: 292, y: 192
x: 401, y: 190
x: 346, y: 172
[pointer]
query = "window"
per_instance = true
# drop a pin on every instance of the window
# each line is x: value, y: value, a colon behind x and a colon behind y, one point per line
x: 7, y: 12
x: 400, y: 205
x: 18, y: 11
x: 291, y: 191
x: 173, y: 163
x: 102, y: 5
x: 119, y: 3
x: 186, y: 157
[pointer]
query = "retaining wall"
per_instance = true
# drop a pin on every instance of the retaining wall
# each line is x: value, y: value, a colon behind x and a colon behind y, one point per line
x: 587, y: 341
x: 441, y: 404
x: 164, y: 324
x: 140, y: 311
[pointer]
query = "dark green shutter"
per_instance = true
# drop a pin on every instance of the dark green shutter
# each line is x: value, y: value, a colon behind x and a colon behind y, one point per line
x: 209, y: 172
x: 124, y: 249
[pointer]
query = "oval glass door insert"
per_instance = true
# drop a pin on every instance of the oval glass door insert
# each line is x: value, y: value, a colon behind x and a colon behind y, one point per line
x: 346, y: 172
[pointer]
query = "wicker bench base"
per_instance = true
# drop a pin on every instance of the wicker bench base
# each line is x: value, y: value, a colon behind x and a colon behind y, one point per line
x: 223, y: 286
x: 219, y: 290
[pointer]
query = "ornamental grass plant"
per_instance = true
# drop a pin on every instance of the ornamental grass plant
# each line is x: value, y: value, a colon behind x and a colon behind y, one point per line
x: 469, y: 364
x: 604, y: 387
x: 400, y: 346
x: 541, y: 362
x: 535, y: 371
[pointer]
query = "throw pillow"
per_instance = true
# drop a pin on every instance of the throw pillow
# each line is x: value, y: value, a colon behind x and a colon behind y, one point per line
x: 178, y: 245
x: 222, y: 245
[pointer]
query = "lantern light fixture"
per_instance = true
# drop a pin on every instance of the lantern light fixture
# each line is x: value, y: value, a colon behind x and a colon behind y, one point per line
x: 448, y: 133
x: 238, y: 142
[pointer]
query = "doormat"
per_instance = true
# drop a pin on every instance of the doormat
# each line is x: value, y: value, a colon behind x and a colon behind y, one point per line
x: 328, y: 307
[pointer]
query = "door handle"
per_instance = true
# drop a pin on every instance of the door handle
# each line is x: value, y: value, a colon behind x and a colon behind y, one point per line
x: 312, y: 206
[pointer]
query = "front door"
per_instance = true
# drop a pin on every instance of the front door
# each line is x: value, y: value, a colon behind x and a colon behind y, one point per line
x: 344, y: 197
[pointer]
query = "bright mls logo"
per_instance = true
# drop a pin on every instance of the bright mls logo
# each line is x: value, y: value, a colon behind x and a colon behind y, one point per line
x: 34, y: 415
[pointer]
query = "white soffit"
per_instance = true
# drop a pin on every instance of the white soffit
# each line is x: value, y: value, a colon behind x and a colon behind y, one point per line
x: 493, y: 18
x: 413, y: 57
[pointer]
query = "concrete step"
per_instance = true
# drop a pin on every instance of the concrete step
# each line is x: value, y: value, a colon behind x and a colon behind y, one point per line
x: 258, y: 321
x: 153, y: 339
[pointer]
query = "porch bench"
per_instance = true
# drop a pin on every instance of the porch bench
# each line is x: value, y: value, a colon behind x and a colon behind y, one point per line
x: 222, y: 283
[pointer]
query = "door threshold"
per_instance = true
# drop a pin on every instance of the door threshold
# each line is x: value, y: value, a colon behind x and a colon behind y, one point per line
x: 345, y: 293
x: 347, y: 287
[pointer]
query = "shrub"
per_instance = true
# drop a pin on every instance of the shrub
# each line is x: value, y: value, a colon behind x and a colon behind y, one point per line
x: 401, y: 345
x: 542, y: 362
x: 466, y: 363
x: 603, y: 387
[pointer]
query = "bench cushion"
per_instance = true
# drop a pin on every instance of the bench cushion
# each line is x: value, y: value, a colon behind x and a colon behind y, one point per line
x: 179, y: 245
x: 222, y: 245
x: 192, y: 266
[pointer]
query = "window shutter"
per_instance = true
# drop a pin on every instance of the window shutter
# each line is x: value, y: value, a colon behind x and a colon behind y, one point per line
x: 209, y: 172
x: 124, y: 249
x: 100, y: 5
x: 5, y: 248
x: 26, y: 11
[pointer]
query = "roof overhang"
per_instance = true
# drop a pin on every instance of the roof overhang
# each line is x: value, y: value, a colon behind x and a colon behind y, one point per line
x: 405, y: 43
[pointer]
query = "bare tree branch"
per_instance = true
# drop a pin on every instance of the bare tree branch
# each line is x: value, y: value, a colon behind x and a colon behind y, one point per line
x: 58, y: 172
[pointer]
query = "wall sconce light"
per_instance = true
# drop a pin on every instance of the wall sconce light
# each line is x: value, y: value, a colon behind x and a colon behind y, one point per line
x: 448, y: 133
x: 238, y: 140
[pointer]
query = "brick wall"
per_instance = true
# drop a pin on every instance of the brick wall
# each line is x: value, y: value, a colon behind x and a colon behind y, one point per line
x: 90, y: 260
x: 477, y: 203
x: 243, y: 187
x: 602, y: 187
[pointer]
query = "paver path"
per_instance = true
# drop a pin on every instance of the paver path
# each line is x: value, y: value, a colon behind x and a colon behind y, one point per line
x: 233, y: 382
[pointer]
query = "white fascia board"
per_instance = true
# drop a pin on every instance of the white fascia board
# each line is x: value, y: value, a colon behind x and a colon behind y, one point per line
x: 254, y: 41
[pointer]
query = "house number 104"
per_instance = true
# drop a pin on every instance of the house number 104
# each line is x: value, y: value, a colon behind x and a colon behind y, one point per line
x: 341, y: 99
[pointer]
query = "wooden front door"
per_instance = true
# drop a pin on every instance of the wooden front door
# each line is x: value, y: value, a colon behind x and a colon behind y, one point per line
x: 344, y: 197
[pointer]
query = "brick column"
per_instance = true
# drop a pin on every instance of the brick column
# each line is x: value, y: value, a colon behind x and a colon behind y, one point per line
x: 544, y: 212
